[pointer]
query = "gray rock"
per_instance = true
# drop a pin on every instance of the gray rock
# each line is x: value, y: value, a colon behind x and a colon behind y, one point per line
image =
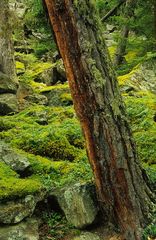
x: 27, y: 230
x: 37, y: 98
x: 6, y: 84
x: 79, y: 204
x: 8, y: 104
x: 42, y: 118
x: 56, y: 95
x: 19, y: 7
x: 46, y: 77
x: 16, y: 161
x: 142, y: 77
x: 87, y: 236
x: 15, y: 211
x: 53, y: 75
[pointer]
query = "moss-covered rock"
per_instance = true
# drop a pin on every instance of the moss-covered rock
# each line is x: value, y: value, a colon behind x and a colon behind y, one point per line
x: 10, y: 157
x: 12, y: 187
x: 58, y: 95
x: 141, y: 78
x: 16, y: 211
x: 55, y: 136
x: 8, y: 104
x: 7, y: 85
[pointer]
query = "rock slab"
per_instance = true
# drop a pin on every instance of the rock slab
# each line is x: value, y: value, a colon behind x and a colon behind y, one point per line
x: 15, y: 211
x: 79, y: 204
x: 27, y: 230
x: 10, y: 157
x: 87, y: 236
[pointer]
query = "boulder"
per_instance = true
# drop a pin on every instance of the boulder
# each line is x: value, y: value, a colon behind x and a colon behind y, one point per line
x: 15, y: 211
x: 79, y: 204
x: 53, y: 75
x: 8, y: 103
x: 10, y: 157
x: 6, y: 84
x: 26, y: 230
x: 87, y: 236
x: 37, y: 98
x: 141, y: 78
x: 45, y: 77
x: 19, y: 7
x: 58, y: 95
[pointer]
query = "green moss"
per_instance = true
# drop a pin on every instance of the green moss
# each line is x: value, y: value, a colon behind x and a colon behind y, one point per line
x: 6, y: 171
x: 15, y: 188
x: 141, y: 113
x: 52, y: 140
x: 11, y: 186
x: 131, y: 55
x: 20, y: 67
x: 112, y: 51
x: 40, y: 165
x: 66, y: 98
x: 125, y: 79
x: 32, y: 68
x: 58, y: 86
x: 78, y: 171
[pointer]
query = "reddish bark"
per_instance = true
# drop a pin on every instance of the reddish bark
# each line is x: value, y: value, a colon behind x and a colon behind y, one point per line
x: 120, y: 186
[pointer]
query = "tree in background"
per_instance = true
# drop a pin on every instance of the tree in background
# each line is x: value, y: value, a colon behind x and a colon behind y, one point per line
x: 123, y: 193
x: 121, y: 48
x: 7, y: 65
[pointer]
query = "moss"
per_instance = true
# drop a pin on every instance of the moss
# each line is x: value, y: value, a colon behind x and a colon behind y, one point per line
x: 71, y: 172
x: 52, y: 140
x: 125, y: 79
x: 39, y: 165
x: 32, y: 68
x: 72, y: 130
x: 112, y: 51
x: 66, y: 99
x: 6, y: 171
x: 5, y: 125
x: 11, y: 186
x: 15, y: 188
x: 20, y: 67
x: 141, y: 113
x: 58, y: 86
x: 131, y: 55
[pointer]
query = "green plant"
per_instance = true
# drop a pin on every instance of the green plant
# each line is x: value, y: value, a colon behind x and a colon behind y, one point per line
x: 149, y: 232
x: 57, y: 225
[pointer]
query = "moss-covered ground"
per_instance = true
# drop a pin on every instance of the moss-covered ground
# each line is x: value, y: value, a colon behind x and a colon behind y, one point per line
x: 51, y: 137
x: 56, y: 149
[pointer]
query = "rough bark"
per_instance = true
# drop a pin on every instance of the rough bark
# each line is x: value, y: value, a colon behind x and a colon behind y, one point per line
x: 121, y: 189
x: 121, y: 48
x: 7, y: 65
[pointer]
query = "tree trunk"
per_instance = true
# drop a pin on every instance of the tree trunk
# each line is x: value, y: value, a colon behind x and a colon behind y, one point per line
x: 121, y: 189
x: 121, y: 48
x: 154, y: 19
x: 7, y: 65
x: 113, y: 11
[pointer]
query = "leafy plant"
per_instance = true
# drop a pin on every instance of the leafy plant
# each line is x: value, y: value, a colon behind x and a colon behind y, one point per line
x: 56, y: 225
x: 149, y: 232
